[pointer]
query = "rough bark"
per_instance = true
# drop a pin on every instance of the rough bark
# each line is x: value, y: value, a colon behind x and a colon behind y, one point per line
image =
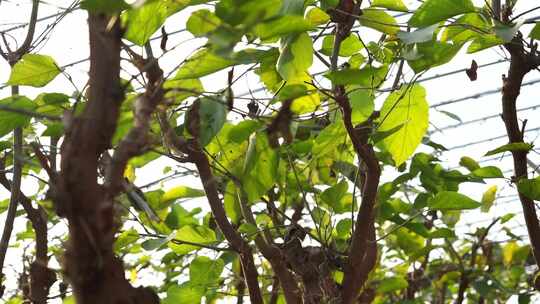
x: 94, y: 272
x: 521, y: 63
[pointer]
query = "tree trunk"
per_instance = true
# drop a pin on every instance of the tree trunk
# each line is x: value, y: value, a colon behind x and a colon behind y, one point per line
x: 96, y: 274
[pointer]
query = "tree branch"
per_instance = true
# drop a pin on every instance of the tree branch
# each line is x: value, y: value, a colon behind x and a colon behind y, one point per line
x: 14, y: 198
x: 520, y: 64
x: 363, y: 245
x: 95, y: 273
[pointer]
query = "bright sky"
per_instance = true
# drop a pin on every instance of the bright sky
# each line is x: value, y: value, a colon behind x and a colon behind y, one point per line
x: 67, y: 43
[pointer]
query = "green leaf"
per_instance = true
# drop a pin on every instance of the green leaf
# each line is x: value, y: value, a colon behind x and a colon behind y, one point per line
x: 202, y: 22
x: 144, y: 21
x: 451, y: 115
x: 344, y: 228
x: 488, y: 172
x: 329, y: 138
x: 249, y: 230
x: 394, y: 5
x: 246, y: 12
x: 368, y: 77
x: 212, y: 115
x: 432, y: 54
x: 418, y: 36
x: 10, y: 120
x: 261, y: 169
x: 296, y: 56
x: 392, y: 284
x: 153, y: 244
x: 34, y: 70
x: 469, y: 163
x: 535, y: 33
x: 180, y: 89
x: 186, y: 293
x: 202, y: 63
x: 379, y: 20
x: 488, y: 198
x: 466, y: 28
x: 450, y: 200
x: 104, y: 6
x: 193, y: 234
x: 54, y: 130
x: 362, y: 103
x: 241, y: 132
x: 231, y: 204
x: 180, y: 192
x: 434, y: 11
x: 204, y: 271
x: 317, y: 16
x: 530, y: 188
x: 180, y: 217
x: 336, y: 197
x: 410, y: 108
x: 511, y: 147
x: 483, y: 42
x: 281, y: 26
x: 349, y: 46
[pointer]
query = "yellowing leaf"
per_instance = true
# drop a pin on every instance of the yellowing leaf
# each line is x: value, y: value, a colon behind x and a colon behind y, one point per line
x: 133, y: 275
x: 129, y: 173
x: 488, y: 198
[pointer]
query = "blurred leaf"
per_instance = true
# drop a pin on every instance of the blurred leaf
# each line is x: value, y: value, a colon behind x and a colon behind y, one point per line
x: 10, y: 120
x: 179, y: 192
x: 281, y: 26
x: 535, y: 33
x: 202, y: 22
x: 469, y: 163
x: 193, y: 234
x: 34, y: 70
x: 296, y: 56
x: 392, y: 284
x: 530, y: 188
x: 104, y: 6
x: 510, y: 147
x: 317, y: 16
x: 449, y: 200
x: 202, y: 63
x: 394, y: 5
x: 186, y: 293
x: 434, y: 11
x: 488, y: 198
x: 205, y: 272
x: 367, y: 77
x: 488, y: 172
x: 379, y: 20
